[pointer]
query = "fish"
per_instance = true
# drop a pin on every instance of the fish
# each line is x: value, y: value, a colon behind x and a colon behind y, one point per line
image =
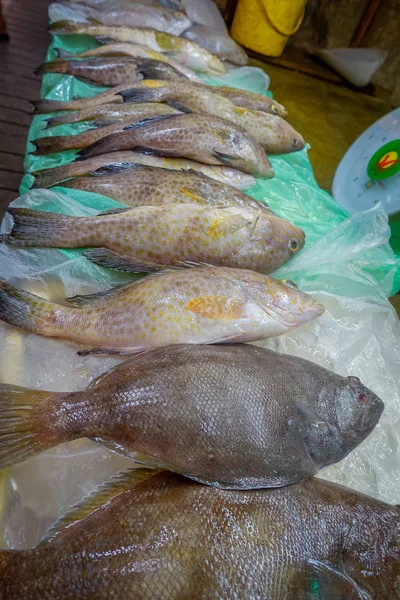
x: 188, y: 53
x: 202, y: 138
x: 134, y: 15
x: 147, y: 534
x: 168, y: 408
x: 119, y: 160
x: 133, y: 50
x: 271, y: 131
x: 124, y: 240
x: 111, y: 71
x: 124, y: 4
x: 107, y: 114
x: 198, y: 305
x: 217, y: 42
x: 247, y: 99
x: 144, y: 185
x: 59, y: 143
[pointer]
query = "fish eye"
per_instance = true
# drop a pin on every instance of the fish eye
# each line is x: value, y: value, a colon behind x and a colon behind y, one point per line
x: 362, y: 398
x: 293, y: 244
x: 290, y: 283
x: 294, y: 143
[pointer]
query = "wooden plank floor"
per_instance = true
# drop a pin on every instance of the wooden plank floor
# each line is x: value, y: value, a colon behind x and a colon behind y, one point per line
x: 27, y: 23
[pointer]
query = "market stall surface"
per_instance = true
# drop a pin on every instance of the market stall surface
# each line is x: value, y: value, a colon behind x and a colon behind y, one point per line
x: 28, y: 40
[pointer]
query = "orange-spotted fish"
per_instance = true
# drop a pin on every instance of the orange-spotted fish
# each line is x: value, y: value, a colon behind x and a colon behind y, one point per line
x: 121, y: 160
x: 160, y: 236
x: 198, y: 137
x: 147, y: 535
x: 271, y: 131
x: 143, y: 185
x: 202, y: 305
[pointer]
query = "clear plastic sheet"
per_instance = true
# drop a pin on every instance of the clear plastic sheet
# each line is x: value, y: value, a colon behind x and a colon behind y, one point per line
x: 346, y: 262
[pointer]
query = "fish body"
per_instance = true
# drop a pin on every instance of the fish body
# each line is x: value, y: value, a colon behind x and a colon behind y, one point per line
x: 274, y: 133
x: 134, y: 15
x: 202, y: 138
x: 227, y: 237
x: 251, y: 100
x: 111, y: 71
x: 107, y: 114
x: 143, y: 185
x: 232, y: 416
x: 115, y: 160
x: 148, y: 534
x: 200, y: 305
x: 218, y: 43
x: 188, y: 53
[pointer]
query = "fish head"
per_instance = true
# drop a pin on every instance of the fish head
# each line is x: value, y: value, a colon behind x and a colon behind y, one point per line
x: 283, y: 239
x: 278, y: 109
x: 357, y: 409
x: 237, y: 179
x: 282, y: 301
x: 290, y: 139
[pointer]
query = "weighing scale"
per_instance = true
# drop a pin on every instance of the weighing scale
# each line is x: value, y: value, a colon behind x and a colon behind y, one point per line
x: 369, y: 173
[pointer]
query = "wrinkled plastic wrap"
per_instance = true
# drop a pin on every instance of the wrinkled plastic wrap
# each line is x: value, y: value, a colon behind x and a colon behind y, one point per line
x: 347, y: 263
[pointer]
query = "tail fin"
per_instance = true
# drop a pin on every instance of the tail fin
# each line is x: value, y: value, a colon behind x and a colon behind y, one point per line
x: 61, y: 120
x: 49, y: 177
x: 23, y: 428
x: 31, y: 313
x: 57, y: 143
x: 35, y: 228
x: 66, y: 27
x: 57, y: 66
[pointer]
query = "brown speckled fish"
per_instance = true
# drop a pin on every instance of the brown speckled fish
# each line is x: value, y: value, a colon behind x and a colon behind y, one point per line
x: 202, y: 138
x: 274, y: 133
x: 129, y: 238
x: 115, y: 160
x: 111, y: 71
x: 142, y: 185
x: 232, y: 416
x: 151, y: 535
x: 201, y: 305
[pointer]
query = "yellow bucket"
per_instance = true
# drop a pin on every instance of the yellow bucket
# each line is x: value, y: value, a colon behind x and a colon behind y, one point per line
x: 265, y: 25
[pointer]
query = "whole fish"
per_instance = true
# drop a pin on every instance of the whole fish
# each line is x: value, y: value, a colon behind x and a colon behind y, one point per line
x: 201, y: 305
x: 129, y: 238
x: 59, y: 143
x: 116, y: 160
x: 231, y: 416
x: 133, y: 50
x: 217, y: 42
x: 202, y: 138
x: 134, y: 15
x: 147, y: 534
x: 248, y: 99
x: 107, y: 114
x: 143, y: 185
x: 111, y: 71
x: 274, y: 133
x: 188, y: 53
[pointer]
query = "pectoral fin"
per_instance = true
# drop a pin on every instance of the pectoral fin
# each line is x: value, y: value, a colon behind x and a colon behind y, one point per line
x: 218, y: 307
x: 228, y: 225
x: 319, y: 581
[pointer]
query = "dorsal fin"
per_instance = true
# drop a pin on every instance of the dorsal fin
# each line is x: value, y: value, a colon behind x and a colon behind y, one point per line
x: 149, y: 120
x: 98, y: 497
x: 86, y: 299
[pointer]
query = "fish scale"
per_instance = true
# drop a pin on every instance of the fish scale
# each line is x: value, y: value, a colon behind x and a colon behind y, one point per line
x: 219, y: 544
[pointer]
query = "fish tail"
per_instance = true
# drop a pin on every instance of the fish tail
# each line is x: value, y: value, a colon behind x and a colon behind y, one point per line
x: 65, y: 27
x: 46, y: 106
x: 25, y: 424
x: 102, y: 146
x: 57, y: 66
x: 57, y: 143
x: 32, y: 313
x: 49, y: 177
x: 35, y: 228
x: 60, y: 120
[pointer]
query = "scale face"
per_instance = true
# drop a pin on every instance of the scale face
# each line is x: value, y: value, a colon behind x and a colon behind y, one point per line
x: 369, y: 172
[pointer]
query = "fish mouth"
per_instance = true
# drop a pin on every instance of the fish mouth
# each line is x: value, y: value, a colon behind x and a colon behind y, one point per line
x: 216, y: 65
x: 298, y: 143
x: 312, y: 311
